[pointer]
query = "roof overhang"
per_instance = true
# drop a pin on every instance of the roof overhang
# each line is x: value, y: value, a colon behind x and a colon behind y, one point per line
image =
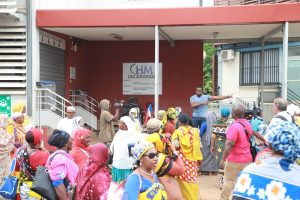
x: 211, y: 24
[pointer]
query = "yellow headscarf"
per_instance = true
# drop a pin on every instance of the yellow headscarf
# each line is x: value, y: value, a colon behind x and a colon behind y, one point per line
x: 156, y: 140
x: 190, y: 149
x: 18, y: 107
x: 171, y: 114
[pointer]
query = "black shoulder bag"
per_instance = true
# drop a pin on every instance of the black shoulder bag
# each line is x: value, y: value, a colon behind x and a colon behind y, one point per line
x: 252, y: 148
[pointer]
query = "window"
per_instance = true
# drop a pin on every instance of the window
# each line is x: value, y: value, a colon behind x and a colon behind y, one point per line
x: 250, y: 67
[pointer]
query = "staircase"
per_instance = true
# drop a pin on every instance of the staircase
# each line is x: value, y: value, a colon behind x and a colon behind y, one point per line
x: 51, y: 107
x: 86, y: 107
x: 293, y: 97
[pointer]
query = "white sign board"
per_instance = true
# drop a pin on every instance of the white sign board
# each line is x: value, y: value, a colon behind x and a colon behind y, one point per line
x: 72, y: 73
x: 139, y: 78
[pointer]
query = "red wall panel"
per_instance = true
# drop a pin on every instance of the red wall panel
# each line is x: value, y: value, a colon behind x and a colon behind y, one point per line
x: 182, y: 70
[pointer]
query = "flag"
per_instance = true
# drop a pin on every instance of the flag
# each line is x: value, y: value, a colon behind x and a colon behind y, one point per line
x: 148, y: 114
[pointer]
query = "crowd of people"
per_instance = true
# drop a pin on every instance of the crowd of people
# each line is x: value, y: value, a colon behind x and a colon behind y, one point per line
x: 162, y: 157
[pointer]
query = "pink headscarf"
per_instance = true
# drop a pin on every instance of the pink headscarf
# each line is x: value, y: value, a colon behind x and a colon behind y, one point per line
x: 94, y: 173
x: 80, y: 152
x: 79, y: 135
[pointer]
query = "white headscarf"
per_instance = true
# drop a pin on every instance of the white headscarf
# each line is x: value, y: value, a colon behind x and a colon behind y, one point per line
x: 128, y: 121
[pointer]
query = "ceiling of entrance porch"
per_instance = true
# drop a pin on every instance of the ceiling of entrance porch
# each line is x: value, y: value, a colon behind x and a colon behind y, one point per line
x: 208, y: 33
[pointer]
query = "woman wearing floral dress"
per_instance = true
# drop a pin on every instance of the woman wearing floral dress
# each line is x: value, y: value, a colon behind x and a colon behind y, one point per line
x: 277, y: 176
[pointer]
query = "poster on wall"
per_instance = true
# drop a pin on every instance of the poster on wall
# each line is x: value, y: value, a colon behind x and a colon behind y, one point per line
x: 5, y: 104
x: 139, y: 78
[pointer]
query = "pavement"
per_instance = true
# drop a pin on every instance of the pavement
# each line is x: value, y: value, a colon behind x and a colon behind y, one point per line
x: 209, y: 188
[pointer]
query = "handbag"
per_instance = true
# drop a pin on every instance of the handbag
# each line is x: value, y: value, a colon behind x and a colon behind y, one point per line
x: 9, y: 187
x: 171, y: 186
x: 115, y: 191
x: 252, y: 148
x: 42, y: 184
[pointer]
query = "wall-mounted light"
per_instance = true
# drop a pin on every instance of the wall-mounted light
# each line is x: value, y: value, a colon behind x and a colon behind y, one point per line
x: 116, y: 36
x: 215, y: 35
x: 74, y: 44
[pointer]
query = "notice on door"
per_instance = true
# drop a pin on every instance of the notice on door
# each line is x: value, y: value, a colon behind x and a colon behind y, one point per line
x: 139, y: 78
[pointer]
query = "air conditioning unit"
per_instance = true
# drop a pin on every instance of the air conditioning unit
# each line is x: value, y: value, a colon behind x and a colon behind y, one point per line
x: 227, y: 54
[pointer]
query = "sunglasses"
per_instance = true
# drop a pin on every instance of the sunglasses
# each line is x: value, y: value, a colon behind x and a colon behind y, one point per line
x: 152, y: 155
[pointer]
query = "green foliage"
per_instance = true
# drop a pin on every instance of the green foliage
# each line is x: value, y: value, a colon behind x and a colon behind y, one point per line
x: 209, y: 50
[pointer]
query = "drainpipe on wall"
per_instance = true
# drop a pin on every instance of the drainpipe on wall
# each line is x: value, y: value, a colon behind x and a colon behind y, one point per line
x: 156, y: 81
x: 29, y: 57
x: 285, y: 59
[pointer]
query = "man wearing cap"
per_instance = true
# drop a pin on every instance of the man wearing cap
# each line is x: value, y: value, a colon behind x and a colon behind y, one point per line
x: 68, y: 123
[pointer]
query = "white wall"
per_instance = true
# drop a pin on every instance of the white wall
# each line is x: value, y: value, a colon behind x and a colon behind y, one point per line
x: 228, y: 74
x: 112, y: 4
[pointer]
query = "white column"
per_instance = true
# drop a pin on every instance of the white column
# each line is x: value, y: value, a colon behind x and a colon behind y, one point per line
x: 156, y: 97
x: 35, y: 60
x: 285, y: 59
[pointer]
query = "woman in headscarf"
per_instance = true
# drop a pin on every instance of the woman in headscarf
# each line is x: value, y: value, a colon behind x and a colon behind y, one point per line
x: 62, y: 169
x: 169, y: 163
x: 186, y: 140
x: 143, y: 183
x: 107, y: 130
x: 125, y: 138
x: 169, y: 121
x: 29, y: 157
x: 161, y: 114
x: 6, y: 147
x: 219, y: 129
x: 81, y: 146
x: 18, y: 129
x: 134, y: 115
x: 21, y: 108
x: 208, y: 164
x: 277, y: 176
x: 93, y: 178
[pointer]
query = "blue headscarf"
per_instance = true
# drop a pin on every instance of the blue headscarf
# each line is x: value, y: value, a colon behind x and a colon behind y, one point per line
x: 284, y: 137
x: 225, y: 112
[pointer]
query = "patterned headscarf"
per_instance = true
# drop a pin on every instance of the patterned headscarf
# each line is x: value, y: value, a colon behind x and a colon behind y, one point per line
x: 284, y: 137
x: 134, y: 113
x: 140, y: 148
x: 171, y: 114
x: 161, y: 113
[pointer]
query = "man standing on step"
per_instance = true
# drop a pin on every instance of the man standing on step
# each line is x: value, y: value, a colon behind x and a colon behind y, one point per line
x: 68, y: 123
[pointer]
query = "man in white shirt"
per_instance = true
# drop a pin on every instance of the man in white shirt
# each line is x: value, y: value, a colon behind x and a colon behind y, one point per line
x: 280, y: 113
x: 68, y: 123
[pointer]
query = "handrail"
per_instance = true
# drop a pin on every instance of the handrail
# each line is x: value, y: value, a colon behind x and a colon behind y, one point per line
x: 251, y: 2
x: 49, y: 100
x: 293, y: 97
x: 83, y: 100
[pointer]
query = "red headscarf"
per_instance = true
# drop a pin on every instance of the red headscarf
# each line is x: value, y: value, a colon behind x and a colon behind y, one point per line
x: 37, y: 135
x: 94, y: 173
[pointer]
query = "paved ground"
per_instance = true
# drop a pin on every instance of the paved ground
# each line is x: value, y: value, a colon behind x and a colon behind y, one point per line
x: 209, y: 189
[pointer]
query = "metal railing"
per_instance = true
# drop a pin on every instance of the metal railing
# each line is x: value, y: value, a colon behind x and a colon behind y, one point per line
x: 80, y: 98
x: 49, y: 100
x: 251, y: 2
x: 8, y: 6
x: 292, y: 97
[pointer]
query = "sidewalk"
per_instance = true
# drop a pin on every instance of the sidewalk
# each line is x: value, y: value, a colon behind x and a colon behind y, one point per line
x: 209, y: 188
